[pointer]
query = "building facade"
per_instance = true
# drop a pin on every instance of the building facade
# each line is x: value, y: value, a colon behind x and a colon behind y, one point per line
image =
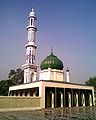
x: 51, y: 87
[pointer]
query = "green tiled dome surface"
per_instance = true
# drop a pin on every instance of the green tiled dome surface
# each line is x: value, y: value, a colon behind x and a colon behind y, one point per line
x: 52, y: 62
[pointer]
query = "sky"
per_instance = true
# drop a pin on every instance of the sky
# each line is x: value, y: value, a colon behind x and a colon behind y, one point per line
x: 69, y: 26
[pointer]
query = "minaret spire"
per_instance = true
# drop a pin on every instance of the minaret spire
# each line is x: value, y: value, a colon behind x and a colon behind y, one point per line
x: 67, y: 75
x: 33, y: 5
x: 30, y: 67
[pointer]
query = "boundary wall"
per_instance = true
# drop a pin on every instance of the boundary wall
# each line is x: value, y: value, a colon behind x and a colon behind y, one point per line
x: 19, y: 103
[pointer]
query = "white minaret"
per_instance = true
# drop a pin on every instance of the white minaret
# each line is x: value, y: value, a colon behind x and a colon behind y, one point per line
x: 30, y: 68
x: 67, y: 75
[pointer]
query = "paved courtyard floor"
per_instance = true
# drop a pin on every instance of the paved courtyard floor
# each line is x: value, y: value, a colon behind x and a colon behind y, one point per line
x: 81, y: 113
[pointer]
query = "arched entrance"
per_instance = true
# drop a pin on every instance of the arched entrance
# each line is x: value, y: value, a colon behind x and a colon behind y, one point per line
x: 48, y: 100
x: 58, y: 99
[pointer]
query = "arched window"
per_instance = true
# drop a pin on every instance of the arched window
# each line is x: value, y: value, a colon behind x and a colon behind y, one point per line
x: 30, y: 56
x: 31, y: 21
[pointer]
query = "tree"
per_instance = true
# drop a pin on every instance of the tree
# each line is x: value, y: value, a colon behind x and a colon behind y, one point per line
x: 11, y: 74
x: 15, y: 78
x: 4, y: 87
x: 91, y: 82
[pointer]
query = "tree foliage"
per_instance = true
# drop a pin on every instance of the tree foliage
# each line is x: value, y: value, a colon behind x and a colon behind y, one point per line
x: 91, y: 82
x: 15, y: 78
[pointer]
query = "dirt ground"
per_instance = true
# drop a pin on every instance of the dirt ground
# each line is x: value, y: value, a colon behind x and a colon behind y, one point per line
x: 81, y: 113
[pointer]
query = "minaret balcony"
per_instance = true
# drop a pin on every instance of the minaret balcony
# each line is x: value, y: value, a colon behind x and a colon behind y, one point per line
x: 31, y: 26
x: 30, y: 44
x: 29, y: 65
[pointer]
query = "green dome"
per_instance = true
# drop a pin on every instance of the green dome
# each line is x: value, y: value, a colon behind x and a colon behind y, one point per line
x: 52, y: 62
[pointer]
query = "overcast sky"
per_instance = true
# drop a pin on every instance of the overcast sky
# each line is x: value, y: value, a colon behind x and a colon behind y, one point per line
x: 69, y: 26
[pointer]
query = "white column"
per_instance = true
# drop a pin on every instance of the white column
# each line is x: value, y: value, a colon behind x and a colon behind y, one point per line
x: 61, y: 99
x: 14, y: 94
x: 25, y: 76
x: 35, y: 75
x: 76, y: 100
x: 94, y: 99
x: 18, y: 94
x: 63, y: 76
x: 28, y: 94
x: 90, y: 99
x: 28, y: 78
x: 83, y: 99
x: 23, y: 95
x: 67, y: 75
x: 42, y: 94
x: 10, y: 94
x: 34, y: 94
x: 49, y: 73
x: 52, y: 100
x: 69, y: 95
x: 55, y: 75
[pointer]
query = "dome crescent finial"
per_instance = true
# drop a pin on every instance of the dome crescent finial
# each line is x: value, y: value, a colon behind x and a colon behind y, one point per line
x: 33, y: 6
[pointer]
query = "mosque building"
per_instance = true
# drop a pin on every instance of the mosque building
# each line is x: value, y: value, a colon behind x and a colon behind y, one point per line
x: 51, y: 87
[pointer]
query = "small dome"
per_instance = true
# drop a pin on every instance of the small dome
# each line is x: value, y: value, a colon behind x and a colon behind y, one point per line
x: 52, y: 62
x: 32, y: 13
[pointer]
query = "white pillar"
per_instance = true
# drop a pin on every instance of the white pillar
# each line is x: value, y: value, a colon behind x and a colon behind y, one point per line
x: 28, y: 94
x: 61, y: 99
x: 10, y: 95
x: 42, y: 94
x: 34, y: 94
x: 93, y: 96
x: 52, y: 100
x: 67, y: 75
x: 29, y: 76
x: 14, y: 95
x: 63, y: 76
x: 55, y: 75
x: 49, y: 72
x: 35, y: 75
x: 69, y: 95
x: 76, y: 100
x: 23, y: 95
x: 83, y: 99
x: 90, y: 99
x: 25, y: 76
x: 94, y: 100
x: 18, y: 94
